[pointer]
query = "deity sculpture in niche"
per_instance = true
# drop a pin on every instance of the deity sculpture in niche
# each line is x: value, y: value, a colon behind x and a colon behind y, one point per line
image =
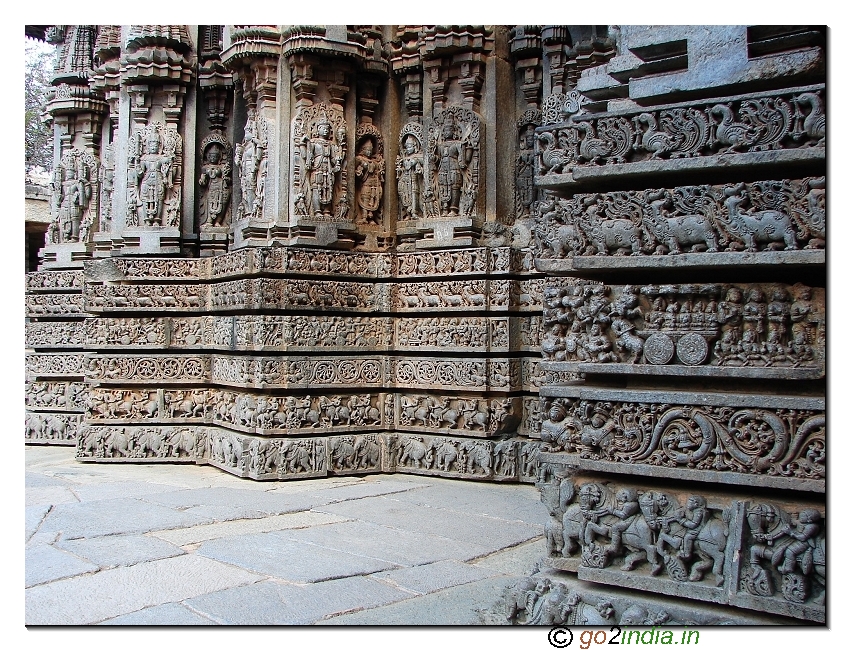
x: 250, y: 158
x: 73, y: 199
x: 453, y: 156
x: 215, y: 180
x: 154, y: 194
x: 319, y: 178
x: 106, y: 176
x: 526, y: 193
x: 410, y: 171
x: 369, y: 174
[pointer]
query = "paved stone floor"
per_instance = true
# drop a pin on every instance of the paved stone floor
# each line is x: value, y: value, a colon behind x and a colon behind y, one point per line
x: 116, y: 544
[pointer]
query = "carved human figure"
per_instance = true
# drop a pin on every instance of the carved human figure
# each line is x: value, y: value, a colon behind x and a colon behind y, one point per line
x: 525, y: 190
x: 248, y: 158
x: 154, y: 173
x: 106, y: 176
x: 786, y: 543
x: 410, y: 169
x: 323, y: 162
x: 451, y: 156
x: 369, y: 172
x: 692, y: 519
x: 626, y: 510
x: 70, y: 197
x: 215, y: 179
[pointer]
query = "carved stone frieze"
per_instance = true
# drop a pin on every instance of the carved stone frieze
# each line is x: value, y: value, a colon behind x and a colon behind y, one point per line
x: 52, y: 428
x: 791, y: 121
x: 55, y: 334
x: 125, y: 332
x: 378, y: 265
x: 164, y: 369
x: 276, y: 459
x: 54, y: 304
x: 765, y: 330
x: 300, y: 372
x: 54, y: 281
x: 756, y: 440
x: 41, y: 365
x: 55, y: 396
x: 153, y: 297
x: 775, y: 215
x: 714, y: 548
x: 147, y: 269
x: 467, y: 415
x: 142, y: 443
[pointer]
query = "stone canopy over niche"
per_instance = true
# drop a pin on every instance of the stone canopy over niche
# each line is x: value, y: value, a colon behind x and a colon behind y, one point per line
x: 588, y: 257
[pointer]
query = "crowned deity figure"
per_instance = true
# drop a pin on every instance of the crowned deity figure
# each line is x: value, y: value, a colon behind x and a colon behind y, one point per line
x: 323, y: 162
x: 155, y: 174
x: 215, y: 179
x: 410, y: 170
x: 70, y: 197
x: 451, y: 156
x: 369, y: 171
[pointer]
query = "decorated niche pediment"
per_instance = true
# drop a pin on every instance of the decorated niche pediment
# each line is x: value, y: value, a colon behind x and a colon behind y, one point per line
x: 74, y: 198
x: 319, y: 177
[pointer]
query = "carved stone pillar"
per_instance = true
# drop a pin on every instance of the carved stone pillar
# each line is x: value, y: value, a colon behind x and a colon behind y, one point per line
x: 77, y: 113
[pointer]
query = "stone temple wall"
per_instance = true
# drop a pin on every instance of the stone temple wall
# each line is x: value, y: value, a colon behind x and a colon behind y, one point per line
x: 586, y: 257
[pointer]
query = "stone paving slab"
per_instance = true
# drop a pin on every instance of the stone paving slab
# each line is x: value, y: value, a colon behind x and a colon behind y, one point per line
x: 519, y: 560
x: 115, y: 517
x: 119, y: 489
x: 452, y: 606
x: 168, y: 614
x: 107, y: 594
x: 33, y: 517
x: 203, y: 533
x: 38, y: 480
x: 45, y: 563
x: 491, y: 533
x: 428, y: 578
x: 394, y: 545
x: 515, y: 503
x: 120, y: 550
x: 49, y: 495
x: 290, y: 560
x: 271, y: 603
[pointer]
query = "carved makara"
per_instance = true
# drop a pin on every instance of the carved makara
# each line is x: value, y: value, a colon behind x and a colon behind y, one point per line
x: 73, y: 198
x: 319, y: 153
x: 154, y: 191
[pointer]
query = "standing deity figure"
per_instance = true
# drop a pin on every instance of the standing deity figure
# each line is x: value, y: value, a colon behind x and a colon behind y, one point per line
x: 250, y: 159
x: 369, y: 171
x: 215, y: 178
x: 410, y: 170
x: 70, y: 198
x: 525, y: 190
x: 154, y: 173
x: 323, y: 161
x: 106, y: 177
x: 451, y: 156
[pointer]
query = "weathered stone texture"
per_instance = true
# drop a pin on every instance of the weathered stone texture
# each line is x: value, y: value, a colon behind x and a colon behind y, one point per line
x: 590, y: 257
